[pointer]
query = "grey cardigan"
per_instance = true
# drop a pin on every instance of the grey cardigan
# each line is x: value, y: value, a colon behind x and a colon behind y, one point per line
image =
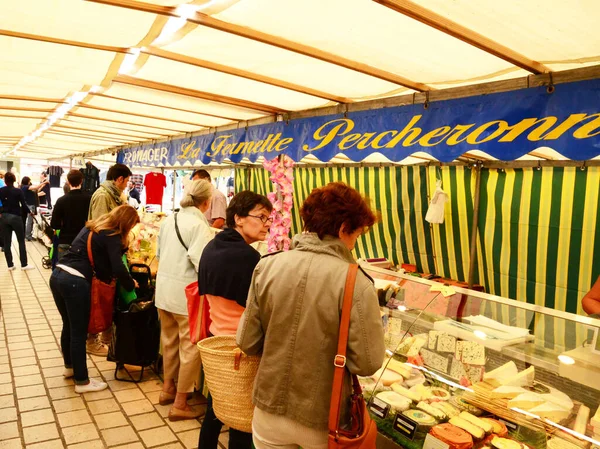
x: 292, y: 317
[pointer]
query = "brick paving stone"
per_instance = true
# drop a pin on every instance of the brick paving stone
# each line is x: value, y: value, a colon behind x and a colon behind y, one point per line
x: 157, y: 436
x: 40, y: 433
x: 147, y: 421
x: 75, y: 418
x: 79, y: 434
x: 37, y: 403
x: 119, y: 435
x: 37, y: 417
x: 68, y: 405
x: 110, y: 420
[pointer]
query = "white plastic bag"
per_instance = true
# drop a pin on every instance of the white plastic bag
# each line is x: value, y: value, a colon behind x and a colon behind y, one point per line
x: 435, y: 212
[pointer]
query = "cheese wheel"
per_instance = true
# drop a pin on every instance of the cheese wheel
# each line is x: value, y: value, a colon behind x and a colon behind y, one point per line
x: 453, y: 436
x: 487, y: 427
x: 526, y: 401
x: 439, y: 394
x: 416, y: 378
x: 420, y: 417
x: 498, y: 428
x: 477, y: 432
x: 397, y: 402
x: 505, y: 443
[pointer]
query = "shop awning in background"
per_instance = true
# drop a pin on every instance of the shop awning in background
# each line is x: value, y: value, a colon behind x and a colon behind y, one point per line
x: 92, y: 76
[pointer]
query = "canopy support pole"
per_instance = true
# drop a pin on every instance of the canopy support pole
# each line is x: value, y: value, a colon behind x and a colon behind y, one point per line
x: 474, y: 230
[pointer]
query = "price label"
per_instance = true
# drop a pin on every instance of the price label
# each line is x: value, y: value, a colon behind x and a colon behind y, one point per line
x: 379, y: 408
x: 405, y: 426
x: 432, y: 442
x: 511, y: 426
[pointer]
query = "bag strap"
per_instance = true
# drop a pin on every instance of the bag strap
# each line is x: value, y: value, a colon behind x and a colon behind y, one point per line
x: 89, y: 250
x: 178, y: 233
x: 339, y: 361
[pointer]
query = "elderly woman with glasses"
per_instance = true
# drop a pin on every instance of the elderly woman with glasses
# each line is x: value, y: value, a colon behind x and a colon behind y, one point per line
x: 224, y: 276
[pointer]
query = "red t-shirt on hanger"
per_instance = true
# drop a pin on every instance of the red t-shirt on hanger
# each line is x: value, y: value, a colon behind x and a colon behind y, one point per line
x: 155, y: 184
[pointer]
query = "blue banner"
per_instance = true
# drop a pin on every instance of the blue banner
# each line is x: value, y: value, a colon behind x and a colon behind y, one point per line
x: 506, y: 125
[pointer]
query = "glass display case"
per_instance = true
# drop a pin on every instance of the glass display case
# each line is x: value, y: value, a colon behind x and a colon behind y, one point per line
x: 470, y: 370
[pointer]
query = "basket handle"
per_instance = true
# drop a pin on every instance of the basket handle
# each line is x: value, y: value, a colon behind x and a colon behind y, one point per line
x: 238, y: 357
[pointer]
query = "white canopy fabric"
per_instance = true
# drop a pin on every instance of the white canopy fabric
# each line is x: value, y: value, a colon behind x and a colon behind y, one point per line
x: 81, y: 76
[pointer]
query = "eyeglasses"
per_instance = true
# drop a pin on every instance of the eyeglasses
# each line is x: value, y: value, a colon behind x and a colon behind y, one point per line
x: 263, y: 218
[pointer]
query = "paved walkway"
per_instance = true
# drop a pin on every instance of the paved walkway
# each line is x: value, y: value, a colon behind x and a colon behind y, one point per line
x: 40, y: 409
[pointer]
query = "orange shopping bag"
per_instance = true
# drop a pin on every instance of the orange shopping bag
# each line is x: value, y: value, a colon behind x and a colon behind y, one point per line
x: 198, y: 313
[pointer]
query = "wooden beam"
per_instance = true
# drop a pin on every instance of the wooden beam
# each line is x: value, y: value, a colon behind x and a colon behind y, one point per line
x: 87, y: 136
x: 22, y: 116
x: 76, y: 128
x: 541, y: 156
x: 233, y: 119
x: 157, y: 135
x: 132, y: 81
x: 16, y: 108
x: 24, y: 98
x: 269, y: 39
x: 476, y: 156
x: 74, y: 114
x: 54, y: 40
x: 154, y: 51
x: 447, y: 26
x: 98, y: 108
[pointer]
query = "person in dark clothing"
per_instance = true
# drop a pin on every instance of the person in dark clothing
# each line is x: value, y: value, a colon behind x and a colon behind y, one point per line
x: 91, y: 178
x: 31, y: 198
x: 44, y: 193
x: 13, y: 207
x: 70, y: 284
x: 224, y: 276
x: 133, y: 192
x: 70, y: 212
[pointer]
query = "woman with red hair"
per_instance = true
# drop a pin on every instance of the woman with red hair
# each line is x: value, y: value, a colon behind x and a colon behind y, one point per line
x: 292, y: 317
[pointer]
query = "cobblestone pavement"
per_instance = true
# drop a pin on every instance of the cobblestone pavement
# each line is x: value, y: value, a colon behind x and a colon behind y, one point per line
x: 40, y: 409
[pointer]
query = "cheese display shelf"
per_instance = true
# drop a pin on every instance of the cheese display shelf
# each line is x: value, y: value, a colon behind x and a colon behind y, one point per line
x: 468, y: 370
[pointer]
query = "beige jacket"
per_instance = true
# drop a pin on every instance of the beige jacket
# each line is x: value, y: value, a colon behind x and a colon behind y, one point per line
x: 106, y: 198
x: 292, y: 317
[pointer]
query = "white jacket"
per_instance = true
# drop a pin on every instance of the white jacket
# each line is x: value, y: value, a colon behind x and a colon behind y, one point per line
x: 177, y: 267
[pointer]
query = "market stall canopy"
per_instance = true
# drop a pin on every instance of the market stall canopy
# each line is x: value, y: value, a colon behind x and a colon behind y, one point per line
x: 85, y: 77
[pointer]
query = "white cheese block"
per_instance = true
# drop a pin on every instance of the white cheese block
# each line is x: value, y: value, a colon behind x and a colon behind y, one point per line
x: 473, y: 353
x: 420, y: 341
x: 457, y: 369
x: 477, y: 432
x: 504, y: 372
x: 506, y: 392
x: 413, y: 395
x: 526, y: 401
x: 475, y: 373
x: 476, y: 421
x: 559, y: 443
x: 523, y: 379
x: 404, y: 347
x: 398, y: 402
x: 581, y: 422
x: 387, y: 377
x: 551, y: 411
x: 459, y: 348
x: 432, y: 341
x: 435, y: 361
x: 446, y: 343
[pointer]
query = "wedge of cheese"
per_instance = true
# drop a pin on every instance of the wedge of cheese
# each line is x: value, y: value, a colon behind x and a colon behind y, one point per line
x: 505, y: 392
x: 559, y: 398
x: 551, y: 411
x: 412, y: 395
x: 523, y: 379
x: 400, y: 368
x: 486, y: 426
x: 387, y: 377
x: 477, y: 432
x: 505, y: 372
x: 581, y: 422
x: 397, y: 402
x: 526, y: 401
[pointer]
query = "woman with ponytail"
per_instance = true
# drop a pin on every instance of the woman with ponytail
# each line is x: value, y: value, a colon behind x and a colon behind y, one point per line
x: 183, y: 236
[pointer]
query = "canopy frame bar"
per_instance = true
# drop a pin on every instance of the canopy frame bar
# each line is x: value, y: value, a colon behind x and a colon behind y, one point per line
x: 55, y: 40
x: 90, y: 117
x: 154, y: 51
x: 464, y: 34
x: 275, y: 41
x: 154, y: 85
x: 76, y: 128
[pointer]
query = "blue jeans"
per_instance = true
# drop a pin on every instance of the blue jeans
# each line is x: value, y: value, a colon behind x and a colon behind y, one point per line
x: 10, y: 223
x: 72, y: 298
x: 29, y: 223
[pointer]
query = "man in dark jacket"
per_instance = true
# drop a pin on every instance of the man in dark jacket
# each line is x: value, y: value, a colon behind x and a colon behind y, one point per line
x: 133, y: 192
x: 70, y: 212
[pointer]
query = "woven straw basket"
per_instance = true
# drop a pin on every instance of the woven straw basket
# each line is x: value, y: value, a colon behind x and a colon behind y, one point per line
x: 230, y: 377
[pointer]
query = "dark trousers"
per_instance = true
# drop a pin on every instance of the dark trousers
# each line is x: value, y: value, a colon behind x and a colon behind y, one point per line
x: 72, y: 297
x: 13, y: 223
x: 211, y: 429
